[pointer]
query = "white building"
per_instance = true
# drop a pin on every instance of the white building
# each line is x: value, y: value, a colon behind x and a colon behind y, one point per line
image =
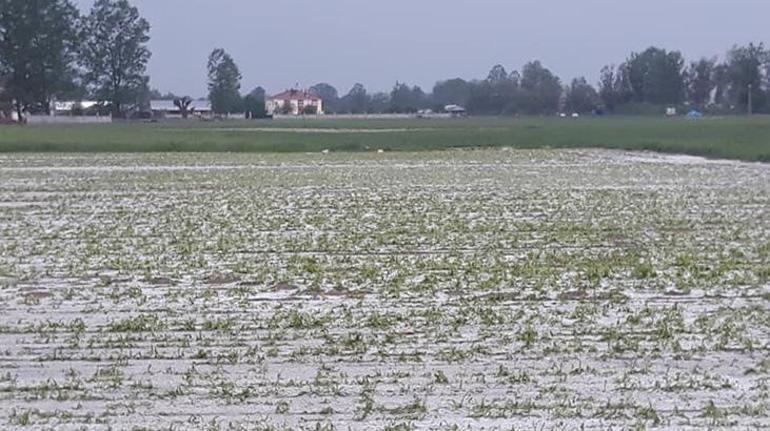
x: 455, y: 110
x: 72, y: 107
x: 294, y: 102
x: 167, y: 109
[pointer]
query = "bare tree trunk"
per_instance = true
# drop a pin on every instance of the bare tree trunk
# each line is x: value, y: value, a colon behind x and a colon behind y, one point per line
x: 19, y: 111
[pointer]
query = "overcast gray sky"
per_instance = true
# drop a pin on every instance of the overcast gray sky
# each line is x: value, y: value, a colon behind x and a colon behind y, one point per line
x: 377, y: 42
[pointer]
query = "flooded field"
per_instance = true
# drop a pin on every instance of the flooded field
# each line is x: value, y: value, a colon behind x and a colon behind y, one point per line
x: 460, y: 290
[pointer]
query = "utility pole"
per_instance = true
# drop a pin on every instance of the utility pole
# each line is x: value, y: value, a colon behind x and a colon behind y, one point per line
x: 751, y: 102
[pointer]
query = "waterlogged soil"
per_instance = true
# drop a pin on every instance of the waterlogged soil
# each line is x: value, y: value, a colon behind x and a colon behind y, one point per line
x: 465, y: 290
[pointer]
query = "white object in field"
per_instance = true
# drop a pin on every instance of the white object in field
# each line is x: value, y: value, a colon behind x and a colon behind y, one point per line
x: 671, y: 112
x: 380, y: 151
x: 326, y: 151
x: 563, y: 115
x: 454, y: 109
x: 575, y: 115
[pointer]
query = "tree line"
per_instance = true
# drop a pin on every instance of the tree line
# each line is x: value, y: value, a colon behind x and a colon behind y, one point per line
x: 49, y: 51
x: 644, y: 83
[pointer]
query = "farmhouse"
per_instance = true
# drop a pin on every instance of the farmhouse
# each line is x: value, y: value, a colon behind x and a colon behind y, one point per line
x: 294, y: 102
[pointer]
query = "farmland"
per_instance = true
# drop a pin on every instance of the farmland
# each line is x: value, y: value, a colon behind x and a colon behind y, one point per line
x: 729, y: 137
x: 491, y: 289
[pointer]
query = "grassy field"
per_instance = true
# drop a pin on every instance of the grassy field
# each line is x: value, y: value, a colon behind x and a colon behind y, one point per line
x: 733, y: 138
x: 450, y: 290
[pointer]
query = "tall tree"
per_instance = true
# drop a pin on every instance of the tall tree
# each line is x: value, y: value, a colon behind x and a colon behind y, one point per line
x: 503, y: 90
x: 254, y: 106
x: 745, y: 65
x: 328, y: 95
x: 38, y: 43
x: 607, y: 91
x: 494, y: 98
x: 581, y: 97
x: 541, y: 90
x: 224, y: 83
x: 701, y: 82
x: 254, y: 103
x: 722, y: 83
x: 183, y: 103
x: 406, y: 99
x: 357, y: 100
x: 497, y: 74
x: 378, y: 103
x: 115, y: 53
x: 451, y: 92
x: 657, y: 76
x: 623, y: 87
x: 258, y: 93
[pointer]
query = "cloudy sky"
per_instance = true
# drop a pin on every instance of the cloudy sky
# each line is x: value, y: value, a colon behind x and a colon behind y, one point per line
x: 378, y: 42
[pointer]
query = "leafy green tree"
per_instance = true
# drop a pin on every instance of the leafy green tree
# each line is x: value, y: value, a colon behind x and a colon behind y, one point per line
x: 541, y: 90
x: 406, y: 99
x: 224, y: 83
x: 254, y: 104
x: 183, y: 104
x: 115, y: 54
x: 378, y: 103
x: 481, y: 99
x: 581, y: 96
x: 623, y: 87
x: 38, y: 43
x: 453, y: 91
x: 701, y: 82
x: 258, y: 93
x: 497, y: 74
x: 357, y: 100
x: 499, y: 93
x: 607, y: 93
x: 328, y: 94
x: 744, y: 73
x: 494, y: 98
x: 657, y: 76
